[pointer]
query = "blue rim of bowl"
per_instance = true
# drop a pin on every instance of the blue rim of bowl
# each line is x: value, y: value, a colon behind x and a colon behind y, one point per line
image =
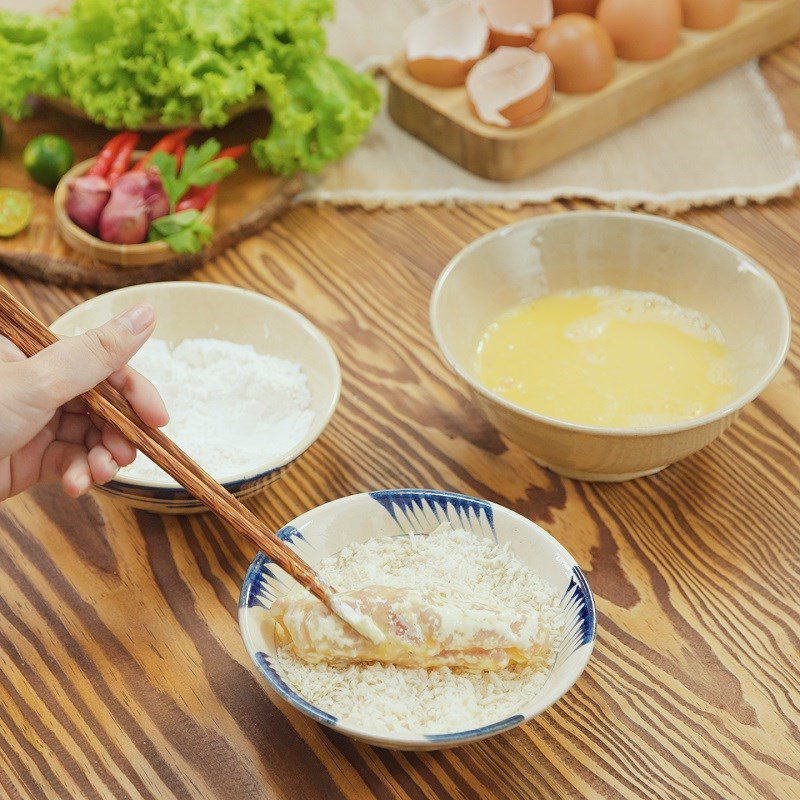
x: 142, y: 490
x: 583, y: 632
x: 731, y: 408
x: 125, y: 489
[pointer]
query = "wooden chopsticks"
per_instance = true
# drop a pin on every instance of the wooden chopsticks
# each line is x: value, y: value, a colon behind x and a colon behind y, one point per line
x: 30, y: 335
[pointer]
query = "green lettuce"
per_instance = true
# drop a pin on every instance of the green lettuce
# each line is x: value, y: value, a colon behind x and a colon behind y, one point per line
x: 22, y: 42
x: 126, y: 63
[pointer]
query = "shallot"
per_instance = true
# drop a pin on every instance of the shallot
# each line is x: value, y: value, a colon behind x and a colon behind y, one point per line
x: 87, y: 196
x: 154, y: 195
x: 126, y: 218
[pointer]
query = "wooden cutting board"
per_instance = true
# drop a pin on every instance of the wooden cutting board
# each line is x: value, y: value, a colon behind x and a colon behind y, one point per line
x: 442, y: 117
x: 247, y: 202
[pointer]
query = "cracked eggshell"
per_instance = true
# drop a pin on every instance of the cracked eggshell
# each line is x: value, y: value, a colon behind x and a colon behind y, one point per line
x: 513, y: 86
x: 444, y: 44
x: 706, y: 15
x: 581, y: 51
x: 642, y: 30
x: 575, y: 7
x: 515, y: 23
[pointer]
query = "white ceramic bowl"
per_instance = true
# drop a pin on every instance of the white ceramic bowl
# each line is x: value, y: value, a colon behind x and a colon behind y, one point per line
x: 188, y: 310
x: 325, y: 530
x: 575, y: 250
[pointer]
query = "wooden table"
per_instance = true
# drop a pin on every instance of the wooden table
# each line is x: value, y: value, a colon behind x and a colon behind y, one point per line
x: 122, y: 673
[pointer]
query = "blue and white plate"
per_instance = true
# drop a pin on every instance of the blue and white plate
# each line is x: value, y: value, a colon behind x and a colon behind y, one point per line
x: 325, y: 530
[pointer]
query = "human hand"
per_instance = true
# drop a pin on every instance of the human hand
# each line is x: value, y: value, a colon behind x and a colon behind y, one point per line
x: 47, y: 432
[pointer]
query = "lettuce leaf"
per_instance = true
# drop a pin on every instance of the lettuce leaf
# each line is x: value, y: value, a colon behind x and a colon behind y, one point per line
x: 321, y: 110
x: 22, y: 40
x: 125, y: 63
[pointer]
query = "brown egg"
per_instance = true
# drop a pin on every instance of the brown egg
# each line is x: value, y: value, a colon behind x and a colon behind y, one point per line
x: 642, y: 30
x: 581, y: 51
x: 575, y: 6
x: 444, y: 44
x: 705, y: 15
x: 512, y: 86
x: 514, y: 23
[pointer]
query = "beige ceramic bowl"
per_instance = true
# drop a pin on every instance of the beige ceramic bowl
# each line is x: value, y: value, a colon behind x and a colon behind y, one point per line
x: 630, y: 251
x: 187, y: 310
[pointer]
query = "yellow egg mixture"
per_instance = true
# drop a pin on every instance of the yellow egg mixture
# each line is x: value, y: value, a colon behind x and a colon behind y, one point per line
x: 607, y: 357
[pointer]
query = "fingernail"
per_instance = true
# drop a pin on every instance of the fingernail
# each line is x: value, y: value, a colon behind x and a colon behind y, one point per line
x: 139, y: 318
x: 82, y: 484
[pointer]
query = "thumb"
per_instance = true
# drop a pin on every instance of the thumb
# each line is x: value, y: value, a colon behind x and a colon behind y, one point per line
x: 76, y: 364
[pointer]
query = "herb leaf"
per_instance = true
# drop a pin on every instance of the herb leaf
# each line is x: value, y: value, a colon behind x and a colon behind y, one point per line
x: 184, y: 232
x: 200, y: 168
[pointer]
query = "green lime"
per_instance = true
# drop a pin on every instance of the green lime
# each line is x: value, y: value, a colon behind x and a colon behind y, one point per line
x: 47, y: 158
x: 16, y: 209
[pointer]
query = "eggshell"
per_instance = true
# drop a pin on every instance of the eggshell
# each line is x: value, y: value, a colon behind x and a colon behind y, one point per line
x: 513, y: 86
x: 642, y: 30
x: 444, y: 44
x: 575, y: 6
x: 705, y: 15
x: 581, y: 51
x: 514, y: 23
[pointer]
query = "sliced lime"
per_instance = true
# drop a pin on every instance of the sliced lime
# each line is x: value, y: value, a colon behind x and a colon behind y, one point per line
x: 16, y: 210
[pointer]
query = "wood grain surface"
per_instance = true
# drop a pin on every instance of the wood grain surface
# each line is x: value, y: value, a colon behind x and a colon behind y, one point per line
x: 122, y: 673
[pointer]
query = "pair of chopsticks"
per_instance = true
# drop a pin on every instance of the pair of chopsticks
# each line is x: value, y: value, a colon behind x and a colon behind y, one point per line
x: 31, y: 336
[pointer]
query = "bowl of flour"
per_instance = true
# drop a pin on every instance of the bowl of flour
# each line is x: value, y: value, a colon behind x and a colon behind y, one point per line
x: 249, y: 385
x: 447, y: 546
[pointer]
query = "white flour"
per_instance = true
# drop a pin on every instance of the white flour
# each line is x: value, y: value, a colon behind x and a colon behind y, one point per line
x: 231, y: 408
x: 447, y: 563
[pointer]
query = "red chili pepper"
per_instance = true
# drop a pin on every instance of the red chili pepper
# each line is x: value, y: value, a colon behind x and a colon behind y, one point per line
x: 165, y: 145
x: 198, y: 197
x: 107, y: 155
x: 233, y: 152
x: 122, y: 160
x: 179, y: 151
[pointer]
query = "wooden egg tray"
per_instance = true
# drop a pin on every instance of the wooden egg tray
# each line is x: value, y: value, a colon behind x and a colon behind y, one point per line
x: 442, y: 118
